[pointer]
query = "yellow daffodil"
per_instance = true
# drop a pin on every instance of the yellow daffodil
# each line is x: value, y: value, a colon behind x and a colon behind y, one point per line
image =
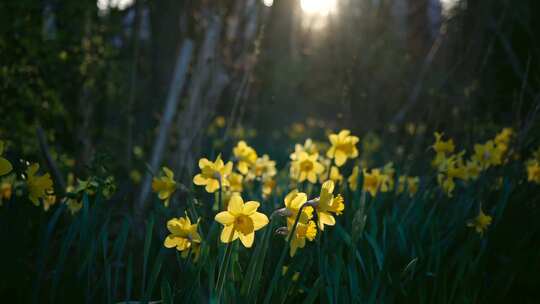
x: 39, y: 187
x: 245, y: 155
x: 442, y: 149
x: 264, y: 168
x: 480, y: 223
x: 165, y: 185
x: 441, y: 146
x: 294, y: 200
x: 49, y: 201
x: 447, y: 184
x: 235, y: 182
x: 212, y: 173
x: 343, y: 147
x: 533, y: 171
x: 241, y: 220
x: 267, y: 187
x: 6, y: 189
x: 306, y: 167
x: 220, y: 121
x: 503, y: 138
x: 487, y: 155
x: 5, y: 165
x: 353, y: 178
x: 328, y: 204
x: 309, y: 146
x: 410, y: 183
x: 372, y: 181
x: 371, y: 143
x: 387, y: 177
x: 183, y: 235
x: 473, y: 169
x: 302, y: 232
x: 73, y: 205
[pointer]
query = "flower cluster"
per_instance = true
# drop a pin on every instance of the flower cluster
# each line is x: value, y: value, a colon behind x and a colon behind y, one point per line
x: 453, y: 166
x: 532, y: 165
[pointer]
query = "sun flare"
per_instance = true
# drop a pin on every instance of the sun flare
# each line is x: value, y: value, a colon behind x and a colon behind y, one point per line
x: 320, y: 7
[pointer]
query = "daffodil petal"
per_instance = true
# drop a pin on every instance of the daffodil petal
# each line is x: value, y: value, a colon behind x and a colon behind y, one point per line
x: 224, y: 218
x: 250, y: 207
x: 228, y: 234
x: 259, y: 220
x: 247, y: 240
x: 236, y: 205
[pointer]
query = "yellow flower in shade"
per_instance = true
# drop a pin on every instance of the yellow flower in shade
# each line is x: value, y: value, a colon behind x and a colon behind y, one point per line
x: 487, y: 155
x: 49, y: 201
x: 165, y: 185
x: 441, y: 146
x: 302, y: 232
x: 480, y: 223
x: 309, y: 146
x: 235, y: 182
x: 410, y: 183
x: 6, y: 189
x: 246, y: 156
x: 387, y: 177
x: 294, y: 200
x: 264, y: 168
x: 73, y: 205
x: 372, y: 181
x: 473, y: 169
x: 353, y: 179
x: 502, y: 139
x: 533, y: 171
x: 267, y: 187
x: 447, y: 184
x: 306, y: 167
x: 241, y: 221
x: 371, y: 143
x: 5, y: 165
x: 39, y: 187
x: 328, y: 204
x: 220, y: 121
x: 212, y: 173
x: 343, y: 147
x: 184, y: 235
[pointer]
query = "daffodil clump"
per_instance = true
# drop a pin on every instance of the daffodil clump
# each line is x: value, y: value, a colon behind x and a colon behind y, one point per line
x: 452, y: 166
x: 305, y: 217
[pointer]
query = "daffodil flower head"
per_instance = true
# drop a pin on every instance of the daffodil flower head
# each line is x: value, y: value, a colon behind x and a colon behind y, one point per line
x: 183, y: 234
x: 302, y: 232
x: 487, y: 155
x: 441, y: 146
x: 328, y: 203
x: 246, y: 156
x: 165, y: 185
x: 235, y: 182
x: 213, y: 174
x: 353, y: 178
x: 306, y: 167
x: 343, y: 147
x: 480, y: 223
x: 39, y: 186
x: 372, y: 181
x: 5, y: 165
x: 533, y: 171
x: 294, y: 200
x: 240, y: 221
